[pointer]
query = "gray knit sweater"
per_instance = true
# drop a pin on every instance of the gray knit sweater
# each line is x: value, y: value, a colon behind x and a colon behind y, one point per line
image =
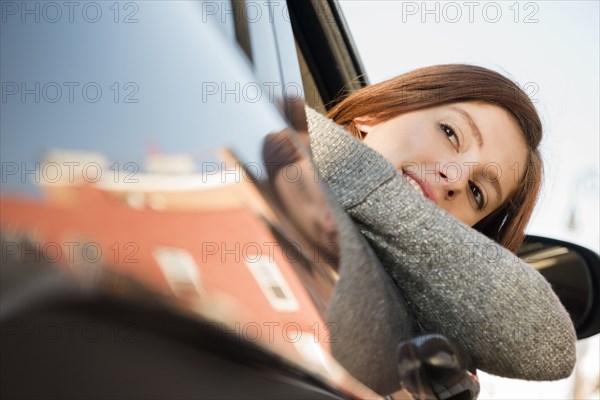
x: 455, y: 280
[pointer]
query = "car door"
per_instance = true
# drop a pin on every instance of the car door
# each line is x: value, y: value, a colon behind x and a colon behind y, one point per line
x: 134, y: 145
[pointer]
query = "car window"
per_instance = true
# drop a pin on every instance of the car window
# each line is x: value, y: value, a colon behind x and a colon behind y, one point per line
x: 125, y: 90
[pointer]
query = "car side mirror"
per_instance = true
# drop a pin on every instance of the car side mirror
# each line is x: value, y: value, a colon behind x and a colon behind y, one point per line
x: 574, y: 273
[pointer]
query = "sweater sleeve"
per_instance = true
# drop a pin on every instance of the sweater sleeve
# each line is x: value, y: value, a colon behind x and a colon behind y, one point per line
x: 457, y: 281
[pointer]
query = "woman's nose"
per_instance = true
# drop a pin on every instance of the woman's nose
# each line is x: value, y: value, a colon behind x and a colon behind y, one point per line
x: 453, y: 183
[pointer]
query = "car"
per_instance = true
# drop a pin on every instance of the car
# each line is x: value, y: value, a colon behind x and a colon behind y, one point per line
x: 146, y: 250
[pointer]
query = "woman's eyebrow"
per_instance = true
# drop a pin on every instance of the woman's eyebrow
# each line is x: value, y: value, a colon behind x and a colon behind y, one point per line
x: 467, y: 118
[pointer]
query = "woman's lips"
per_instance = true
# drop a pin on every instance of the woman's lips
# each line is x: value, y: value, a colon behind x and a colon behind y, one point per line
x: 420, y: 186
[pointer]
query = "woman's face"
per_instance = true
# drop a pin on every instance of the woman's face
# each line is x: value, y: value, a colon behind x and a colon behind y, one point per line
x: 467, y: 158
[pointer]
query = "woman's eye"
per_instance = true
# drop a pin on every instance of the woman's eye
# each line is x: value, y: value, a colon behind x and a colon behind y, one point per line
x: 449, y: 132
x: 477, y: 195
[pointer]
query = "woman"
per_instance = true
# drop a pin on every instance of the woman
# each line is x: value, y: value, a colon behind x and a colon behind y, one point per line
x: 467, y: 139
x: 507, y: 112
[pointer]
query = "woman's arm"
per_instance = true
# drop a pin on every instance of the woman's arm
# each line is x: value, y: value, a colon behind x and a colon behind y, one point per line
x: 458, y: 282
